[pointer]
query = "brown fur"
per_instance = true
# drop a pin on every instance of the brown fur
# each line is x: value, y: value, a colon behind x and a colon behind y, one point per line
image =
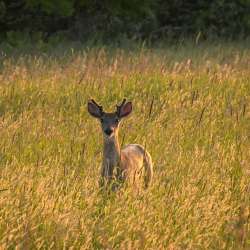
x: 119, y: 165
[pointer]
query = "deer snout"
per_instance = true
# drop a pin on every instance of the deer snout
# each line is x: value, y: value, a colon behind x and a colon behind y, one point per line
x: 109, y: 131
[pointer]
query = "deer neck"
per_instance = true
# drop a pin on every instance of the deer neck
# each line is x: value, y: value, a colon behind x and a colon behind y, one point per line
x: 111, y: 155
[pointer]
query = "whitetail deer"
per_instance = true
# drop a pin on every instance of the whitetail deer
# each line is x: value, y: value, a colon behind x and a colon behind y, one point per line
x: 120, y: 165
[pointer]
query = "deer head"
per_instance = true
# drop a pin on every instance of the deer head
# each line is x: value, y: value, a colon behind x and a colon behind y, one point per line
x: 110, y: 121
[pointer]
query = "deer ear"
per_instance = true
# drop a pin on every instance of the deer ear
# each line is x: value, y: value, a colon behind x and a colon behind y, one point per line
x: 94, y: 110
x: 125, y: 110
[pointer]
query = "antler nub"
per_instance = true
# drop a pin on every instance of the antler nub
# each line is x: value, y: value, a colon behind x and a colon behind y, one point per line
x: 118, y: 107
x: 100, y: 107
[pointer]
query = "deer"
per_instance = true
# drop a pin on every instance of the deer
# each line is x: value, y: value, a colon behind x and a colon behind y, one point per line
x: 120, y: 165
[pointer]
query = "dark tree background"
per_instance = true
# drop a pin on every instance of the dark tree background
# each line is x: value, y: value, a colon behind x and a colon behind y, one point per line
x: 133, y: 19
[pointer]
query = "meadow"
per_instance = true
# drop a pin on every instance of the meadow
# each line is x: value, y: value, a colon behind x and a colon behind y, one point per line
x: 191, y: 110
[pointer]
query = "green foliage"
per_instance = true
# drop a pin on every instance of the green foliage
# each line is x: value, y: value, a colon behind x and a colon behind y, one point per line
x: 225, y: 18
x: 55, y: 7
x: 150, y: 19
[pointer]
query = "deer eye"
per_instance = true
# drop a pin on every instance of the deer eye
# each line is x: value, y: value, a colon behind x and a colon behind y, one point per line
x: 101, y: 119
x: 116, y: 120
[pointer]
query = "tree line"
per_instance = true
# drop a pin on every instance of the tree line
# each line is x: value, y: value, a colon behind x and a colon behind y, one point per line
x: 133, y: 19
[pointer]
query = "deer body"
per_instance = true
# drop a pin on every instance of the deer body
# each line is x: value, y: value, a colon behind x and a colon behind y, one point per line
x: 125, y: 164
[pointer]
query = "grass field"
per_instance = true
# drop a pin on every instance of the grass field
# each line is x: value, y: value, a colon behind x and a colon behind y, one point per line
x: 191, y: 110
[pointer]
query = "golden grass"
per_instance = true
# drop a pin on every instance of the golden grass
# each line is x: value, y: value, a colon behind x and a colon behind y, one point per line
x: 191, y: 109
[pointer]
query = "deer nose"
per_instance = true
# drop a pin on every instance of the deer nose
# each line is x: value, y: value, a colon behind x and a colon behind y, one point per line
x: 108, y: 131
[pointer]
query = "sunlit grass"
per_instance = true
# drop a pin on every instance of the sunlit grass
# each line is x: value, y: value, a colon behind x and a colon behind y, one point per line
x: 191, y: 110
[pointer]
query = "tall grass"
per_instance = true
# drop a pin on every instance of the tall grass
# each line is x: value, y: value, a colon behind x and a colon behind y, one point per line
x: 191, y: 110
